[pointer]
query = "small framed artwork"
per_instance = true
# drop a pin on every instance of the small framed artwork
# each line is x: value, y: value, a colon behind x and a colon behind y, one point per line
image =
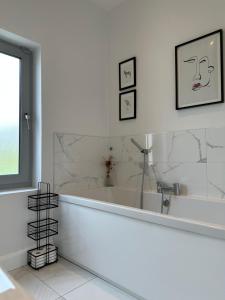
x: 199, y: 71
x: 127, y: 73
x: 127, y: 105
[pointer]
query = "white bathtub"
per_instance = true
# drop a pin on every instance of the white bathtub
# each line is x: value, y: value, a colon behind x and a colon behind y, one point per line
x: 156, y: 257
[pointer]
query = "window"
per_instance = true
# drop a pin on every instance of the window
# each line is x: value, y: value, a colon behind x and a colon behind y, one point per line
x: 15, y: 113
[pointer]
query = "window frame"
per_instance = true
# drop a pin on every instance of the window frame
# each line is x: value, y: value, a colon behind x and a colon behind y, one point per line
x: 24, y: 177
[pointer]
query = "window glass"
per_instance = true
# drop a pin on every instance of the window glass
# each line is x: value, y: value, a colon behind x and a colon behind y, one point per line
x: 9, y: 114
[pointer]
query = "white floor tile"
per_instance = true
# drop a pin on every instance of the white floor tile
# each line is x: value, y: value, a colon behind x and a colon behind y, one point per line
x: 63, y: 276
x: 37, y: 289
x: 97, y: 289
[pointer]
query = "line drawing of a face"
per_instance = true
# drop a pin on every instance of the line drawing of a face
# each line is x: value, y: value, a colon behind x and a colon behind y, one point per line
x: 203, y: 71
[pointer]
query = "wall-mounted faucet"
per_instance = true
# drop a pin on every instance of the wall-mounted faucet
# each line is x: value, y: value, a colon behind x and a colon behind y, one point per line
x: 166, y: 190
x: 162, y: 187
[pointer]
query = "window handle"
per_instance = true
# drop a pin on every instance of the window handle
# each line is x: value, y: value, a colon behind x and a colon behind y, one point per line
x: 27, y: 117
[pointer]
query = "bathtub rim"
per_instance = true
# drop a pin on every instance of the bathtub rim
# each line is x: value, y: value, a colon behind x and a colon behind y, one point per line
x: 183, y: 224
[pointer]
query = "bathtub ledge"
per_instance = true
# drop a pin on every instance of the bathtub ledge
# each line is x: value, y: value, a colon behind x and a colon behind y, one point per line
x: 202, y: 228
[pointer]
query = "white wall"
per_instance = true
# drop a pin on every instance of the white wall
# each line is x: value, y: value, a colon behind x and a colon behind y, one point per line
x: 73, y: 39
x: 13, y: 230
x: 74, y: 45
x: 150, y: 29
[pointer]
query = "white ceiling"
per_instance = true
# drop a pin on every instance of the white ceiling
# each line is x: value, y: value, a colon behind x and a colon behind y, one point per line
x: 108, y: 4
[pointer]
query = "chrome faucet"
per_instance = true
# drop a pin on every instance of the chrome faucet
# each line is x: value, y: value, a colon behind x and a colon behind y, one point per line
x: 166, y: 191
x: 162, y: 188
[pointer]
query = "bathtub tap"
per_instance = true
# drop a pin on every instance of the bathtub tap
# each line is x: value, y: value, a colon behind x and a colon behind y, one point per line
x: 164, y: 188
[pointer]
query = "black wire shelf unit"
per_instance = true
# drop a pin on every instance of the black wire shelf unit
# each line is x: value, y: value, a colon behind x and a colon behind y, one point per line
x: 43, y: 228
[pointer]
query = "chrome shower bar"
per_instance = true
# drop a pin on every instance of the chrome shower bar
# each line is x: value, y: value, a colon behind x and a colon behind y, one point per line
x: 143, y: 150
x: 136, y: 144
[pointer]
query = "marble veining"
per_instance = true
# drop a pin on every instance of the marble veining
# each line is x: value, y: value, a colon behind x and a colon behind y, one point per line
x: 171, y: 168
x: 192, y: 157
x: 186, y: 146
x: 214, y: 146
x: 199, y: 145
x: 173, y: 138
x: 64, y: 147
x: 220, y: 190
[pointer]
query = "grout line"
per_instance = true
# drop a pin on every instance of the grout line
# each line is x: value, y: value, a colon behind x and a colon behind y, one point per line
x: 101, y: 278
x: 41, y: 281
x: 33, y: 273
x: 79, y: 286
x: 111, y: 283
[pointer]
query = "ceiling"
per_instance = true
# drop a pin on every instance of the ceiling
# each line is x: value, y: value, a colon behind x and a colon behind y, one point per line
x: 108, y: 4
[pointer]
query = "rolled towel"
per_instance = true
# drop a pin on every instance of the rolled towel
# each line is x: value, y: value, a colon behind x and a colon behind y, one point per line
x: 52, y: 256
x: 38, y: 258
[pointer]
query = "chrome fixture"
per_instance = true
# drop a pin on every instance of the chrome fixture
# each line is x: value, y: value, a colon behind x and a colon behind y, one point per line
x: 166, y: 192
x: 162, y: 187
x: 146, y: 153
x: 27, y: 117
x: 143, y: 150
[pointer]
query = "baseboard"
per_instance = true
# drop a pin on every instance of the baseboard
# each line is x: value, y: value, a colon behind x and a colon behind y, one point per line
x: 14, y: 260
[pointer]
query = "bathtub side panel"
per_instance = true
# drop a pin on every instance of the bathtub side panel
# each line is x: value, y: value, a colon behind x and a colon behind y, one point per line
x: 153, y: 261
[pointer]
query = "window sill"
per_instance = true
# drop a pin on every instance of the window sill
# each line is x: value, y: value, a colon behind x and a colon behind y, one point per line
x: 18, y: 190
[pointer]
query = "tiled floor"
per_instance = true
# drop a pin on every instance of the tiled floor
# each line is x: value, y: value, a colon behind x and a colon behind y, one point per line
x: 64, y: 280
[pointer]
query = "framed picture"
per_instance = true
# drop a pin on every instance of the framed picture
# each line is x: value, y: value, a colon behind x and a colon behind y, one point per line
x: 127, y: 73
x: 127, y: 105
x: 199, y: 71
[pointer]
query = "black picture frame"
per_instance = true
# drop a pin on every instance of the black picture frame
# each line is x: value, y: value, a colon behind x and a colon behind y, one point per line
x: 133, y: 74
x: 220, y: 79
x: 134, y: 105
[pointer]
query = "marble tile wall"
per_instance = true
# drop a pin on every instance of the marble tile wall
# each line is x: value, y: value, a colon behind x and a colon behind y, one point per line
x: 79, y: 162
x: 176, y: 157
x: 194, y: 158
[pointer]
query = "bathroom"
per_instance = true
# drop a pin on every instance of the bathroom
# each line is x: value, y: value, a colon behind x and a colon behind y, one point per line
x: 140, y: 194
